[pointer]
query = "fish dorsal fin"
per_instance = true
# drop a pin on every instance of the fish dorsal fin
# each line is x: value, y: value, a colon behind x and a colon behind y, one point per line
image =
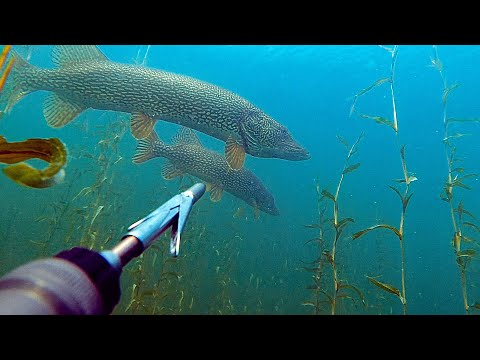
x: 170, y: 171
x: 64, y: 55
x: 186, y: 136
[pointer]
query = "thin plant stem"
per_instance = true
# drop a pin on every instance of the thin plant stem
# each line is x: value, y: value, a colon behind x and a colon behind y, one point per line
x: 449, y: 188
x: 337, y: 228
x: 407, y: 179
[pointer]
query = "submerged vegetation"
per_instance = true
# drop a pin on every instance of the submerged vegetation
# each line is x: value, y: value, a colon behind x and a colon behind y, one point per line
x: 406, y: 180
x: 462, y: 219
x: 341, y: 288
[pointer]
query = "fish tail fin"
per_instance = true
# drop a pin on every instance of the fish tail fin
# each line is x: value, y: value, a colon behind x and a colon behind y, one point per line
x: 19, y: 82
x: 148, y: 148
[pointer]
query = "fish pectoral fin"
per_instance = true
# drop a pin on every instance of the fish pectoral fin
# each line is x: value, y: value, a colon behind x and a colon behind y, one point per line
x: 234, y: 153
x: 141, y: 125
x: 216, y: 193
x: 64, y: 55
x: 59, y: 112
x: 170, y: 171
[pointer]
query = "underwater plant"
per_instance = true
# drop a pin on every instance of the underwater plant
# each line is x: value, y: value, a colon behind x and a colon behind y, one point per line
x: 99, y: 198
x: 317, y: 265
x: 143, y: 62
x: 151, y: 288
x: 406, y: 180
x: 339, y: 286
x: 456, y: 176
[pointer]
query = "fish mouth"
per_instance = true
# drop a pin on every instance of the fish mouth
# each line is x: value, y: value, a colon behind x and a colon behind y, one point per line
x: 297, y: 153
x: 304, y: 155
x: 272, y: 211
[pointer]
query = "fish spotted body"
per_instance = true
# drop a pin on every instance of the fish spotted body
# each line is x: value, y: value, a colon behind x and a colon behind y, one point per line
x: 85, y: 78
x: 187, y: 155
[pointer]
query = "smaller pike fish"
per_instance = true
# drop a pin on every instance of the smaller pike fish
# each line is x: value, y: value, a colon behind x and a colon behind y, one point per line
x: 187, y: 155
x: 50, y: 150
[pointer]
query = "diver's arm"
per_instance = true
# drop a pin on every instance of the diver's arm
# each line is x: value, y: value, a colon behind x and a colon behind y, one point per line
x: 83, y: 282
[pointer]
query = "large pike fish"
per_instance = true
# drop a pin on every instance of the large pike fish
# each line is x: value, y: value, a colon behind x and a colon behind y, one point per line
x: 85, y: 78
x: 186, y: 155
